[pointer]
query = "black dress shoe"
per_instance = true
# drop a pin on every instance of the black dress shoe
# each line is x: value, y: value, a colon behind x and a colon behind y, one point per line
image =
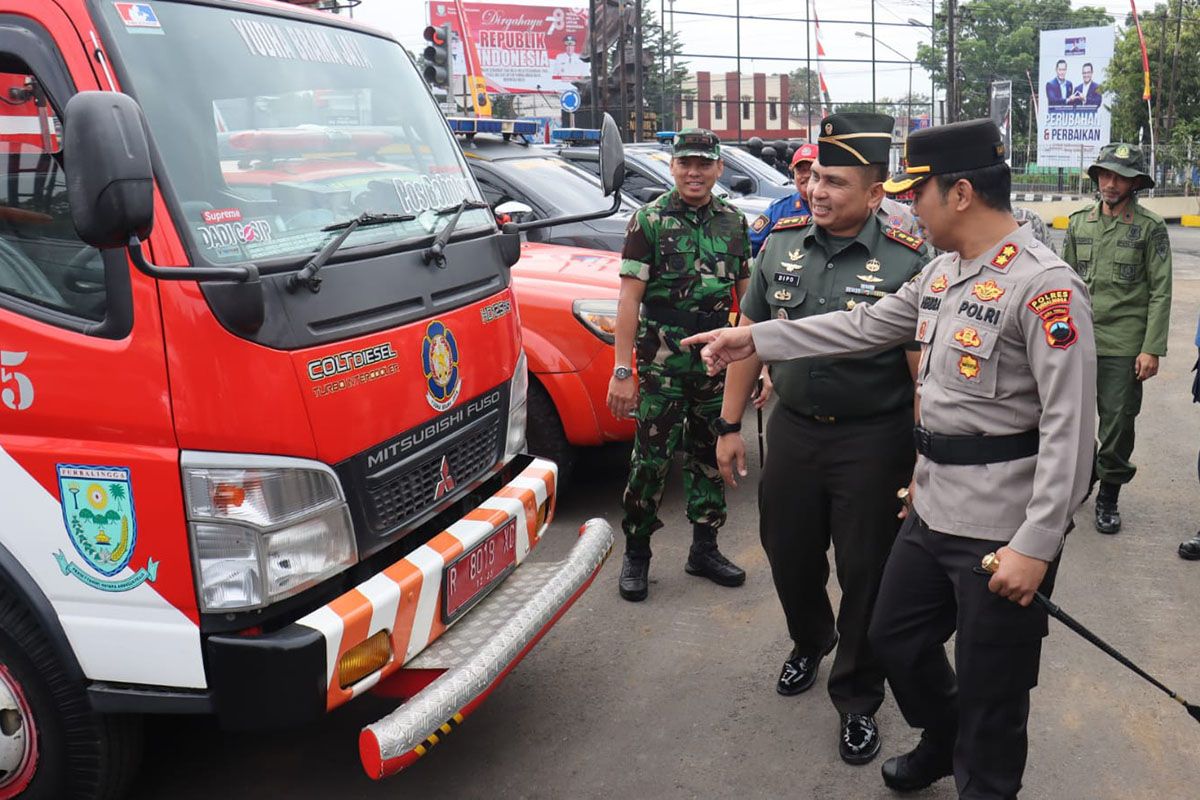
x: 1108, y: 518
x: 799, y: 672
x: 705, y: 560
x: 635, y: 577
x: 923, y: 766
x: 1190, y: 550
x: 860, y: 740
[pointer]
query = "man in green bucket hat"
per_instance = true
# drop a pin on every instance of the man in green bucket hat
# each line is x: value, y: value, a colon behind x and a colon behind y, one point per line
x: 1123, y: 252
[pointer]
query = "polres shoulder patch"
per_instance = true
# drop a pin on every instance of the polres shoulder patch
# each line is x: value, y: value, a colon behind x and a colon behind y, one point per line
x: 1054, y: 308
x: 759, y: 223
x: 904, y: 237
x: 792, y: 222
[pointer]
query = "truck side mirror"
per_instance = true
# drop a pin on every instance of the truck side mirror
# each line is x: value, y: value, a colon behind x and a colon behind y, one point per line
x: 612, y: 157
x: 741, y: 184
x: 110, y: 180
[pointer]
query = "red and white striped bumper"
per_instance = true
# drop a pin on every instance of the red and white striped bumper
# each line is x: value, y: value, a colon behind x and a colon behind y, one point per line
x: 404, y: 599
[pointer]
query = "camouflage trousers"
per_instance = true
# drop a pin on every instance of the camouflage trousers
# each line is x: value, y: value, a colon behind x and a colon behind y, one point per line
x: 675, y: 410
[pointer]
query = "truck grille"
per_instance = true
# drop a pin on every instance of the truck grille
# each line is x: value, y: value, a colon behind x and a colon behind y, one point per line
x: 392, y: 486
x: 415, y: 490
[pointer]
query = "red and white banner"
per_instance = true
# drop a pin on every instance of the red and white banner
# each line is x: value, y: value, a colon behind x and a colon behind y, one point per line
x: 522, y: 48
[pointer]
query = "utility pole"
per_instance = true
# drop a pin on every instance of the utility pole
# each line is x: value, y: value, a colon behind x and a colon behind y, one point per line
x: 951, y: 66
x: 594, y: 57
x: 874, y: 94
x: 622, y: 80
x: 639, y: 112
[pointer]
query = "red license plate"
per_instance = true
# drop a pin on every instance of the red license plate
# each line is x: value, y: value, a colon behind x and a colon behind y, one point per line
x: 475, y: 571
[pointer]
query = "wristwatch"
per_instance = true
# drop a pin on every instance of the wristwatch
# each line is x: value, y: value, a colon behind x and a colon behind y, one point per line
x: 622, y: 373
x: 722, y: 427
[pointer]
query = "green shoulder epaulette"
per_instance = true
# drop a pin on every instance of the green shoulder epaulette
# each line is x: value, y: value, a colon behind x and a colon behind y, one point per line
x: 792, y: 222
x: 904, y: 237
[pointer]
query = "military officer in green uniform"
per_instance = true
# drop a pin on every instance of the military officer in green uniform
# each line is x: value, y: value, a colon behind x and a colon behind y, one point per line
x: 684, y: 256
x: 839, y: 442
x: 1123, y: 253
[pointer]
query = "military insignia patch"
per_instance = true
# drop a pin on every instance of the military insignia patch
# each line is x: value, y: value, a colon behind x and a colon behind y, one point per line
x: 987, y: 291
x: 968, y: 367
x: 796, y: 255
x: 968, y: 337
x: 102, y: 525
x: 1122, y: 151
x: 1007, y: 253
x: 784, y: 223
x: 1127, y: 272
x: 439, y: 363
x: 939, y: 284
x: 904, y: 237
x: 1162, y: 244
x: 788, y: 278
x: 850, y: 304
x: 869, y: 278
x: 783, y: 295
x: 921, y: 329
x: 1054, y: 308
x: 873, y: 265
x: 759, y: 223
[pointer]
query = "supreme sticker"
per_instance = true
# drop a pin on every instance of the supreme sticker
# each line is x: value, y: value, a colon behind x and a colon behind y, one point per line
x: 218, y: 215
x: 227, y: 234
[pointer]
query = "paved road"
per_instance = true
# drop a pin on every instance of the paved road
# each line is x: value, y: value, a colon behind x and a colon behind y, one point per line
x: 675, y: 697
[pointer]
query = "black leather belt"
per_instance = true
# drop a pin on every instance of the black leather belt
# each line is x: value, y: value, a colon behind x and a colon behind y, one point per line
x: 692, y: 321
x: 946, y: 449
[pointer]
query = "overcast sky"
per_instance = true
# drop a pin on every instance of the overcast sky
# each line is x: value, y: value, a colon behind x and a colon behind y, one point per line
x: 765, y: 43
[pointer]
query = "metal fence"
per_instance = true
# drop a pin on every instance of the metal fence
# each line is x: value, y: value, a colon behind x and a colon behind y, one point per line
x: 1176, y: 170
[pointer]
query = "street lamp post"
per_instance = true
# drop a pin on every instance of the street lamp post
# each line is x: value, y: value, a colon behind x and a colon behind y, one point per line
x: 908, y: 99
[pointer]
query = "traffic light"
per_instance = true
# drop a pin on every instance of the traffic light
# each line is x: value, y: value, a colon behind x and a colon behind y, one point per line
x: 437, y: 55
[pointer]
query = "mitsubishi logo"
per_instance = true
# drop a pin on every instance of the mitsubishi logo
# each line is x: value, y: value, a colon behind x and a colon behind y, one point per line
x: 445, y: 483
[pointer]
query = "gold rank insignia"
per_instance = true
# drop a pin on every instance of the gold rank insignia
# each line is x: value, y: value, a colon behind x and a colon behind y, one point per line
x: 796, y: 255
x: 783, y: 295
x: 873, y: 265
x: 869, y: 278
x: 968, y: 367
x: 850, y: 304
x: 988, y: 291
x: 1007, y: 253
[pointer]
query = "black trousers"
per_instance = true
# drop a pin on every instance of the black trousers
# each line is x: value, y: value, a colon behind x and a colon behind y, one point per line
x: 929, y: 591
x: 834, y: 482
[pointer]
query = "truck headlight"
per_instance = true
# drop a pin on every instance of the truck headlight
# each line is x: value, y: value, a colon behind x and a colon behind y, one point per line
x: 599, y: 317
x: 518, y: 397
x: 263, y: 528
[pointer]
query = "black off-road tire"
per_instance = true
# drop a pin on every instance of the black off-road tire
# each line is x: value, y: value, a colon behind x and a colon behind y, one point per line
x: 545, y: 433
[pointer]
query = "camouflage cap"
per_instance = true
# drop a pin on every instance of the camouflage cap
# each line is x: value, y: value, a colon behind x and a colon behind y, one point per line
x: 697, y: 142
x: 1124, y: 159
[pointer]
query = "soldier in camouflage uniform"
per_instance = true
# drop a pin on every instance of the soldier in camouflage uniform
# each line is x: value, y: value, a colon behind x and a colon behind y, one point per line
x: 1123, y: 252
x: 685, y: 254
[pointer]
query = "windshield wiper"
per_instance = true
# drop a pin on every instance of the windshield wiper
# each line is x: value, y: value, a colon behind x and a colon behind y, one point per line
x: 437, y: 251
x: 308, y: 273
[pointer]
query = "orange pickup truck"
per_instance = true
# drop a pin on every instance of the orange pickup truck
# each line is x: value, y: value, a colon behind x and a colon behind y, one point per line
x: 567, y: 298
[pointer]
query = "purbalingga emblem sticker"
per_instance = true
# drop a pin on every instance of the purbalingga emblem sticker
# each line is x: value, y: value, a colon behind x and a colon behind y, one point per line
x: 97, y: 504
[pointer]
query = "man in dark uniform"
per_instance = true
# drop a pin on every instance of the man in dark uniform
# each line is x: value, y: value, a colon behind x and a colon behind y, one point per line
x: 839, y: 442
x: 1007, y: 389
x: 685, y: 254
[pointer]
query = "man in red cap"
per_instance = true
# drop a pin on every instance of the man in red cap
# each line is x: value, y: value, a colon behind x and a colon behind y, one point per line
x: 794, y: 205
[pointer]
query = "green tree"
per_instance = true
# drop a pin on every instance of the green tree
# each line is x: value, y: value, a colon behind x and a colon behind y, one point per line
x: 804, y: 94
x: 998, y: 40
x: 117, y: 490
x: 1173, y: 68
x: 662, y: 84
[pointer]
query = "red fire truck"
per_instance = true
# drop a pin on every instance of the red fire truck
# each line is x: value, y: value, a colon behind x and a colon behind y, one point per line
x: 260, y: 442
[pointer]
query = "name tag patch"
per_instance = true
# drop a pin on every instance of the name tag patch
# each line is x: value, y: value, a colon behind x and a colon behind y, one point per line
x: 986, y: 315
x: 787, y: 278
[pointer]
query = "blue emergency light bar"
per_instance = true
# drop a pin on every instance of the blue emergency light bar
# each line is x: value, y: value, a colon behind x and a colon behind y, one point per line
x: 665, y: 137
x: 471, y: 125
x: 576, y: 135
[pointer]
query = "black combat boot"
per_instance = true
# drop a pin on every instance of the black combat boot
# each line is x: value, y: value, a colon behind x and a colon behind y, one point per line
x: 635, y: 569
x: 705, y: 559
x: 924, y: 765
x: 1108, y: 518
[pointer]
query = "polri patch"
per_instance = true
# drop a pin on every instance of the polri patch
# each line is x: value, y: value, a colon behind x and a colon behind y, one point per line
x: 988, y: 291
x: 759, y: 223
x: 968, y: 367
x: 968, y: 337
x: 939, y: 284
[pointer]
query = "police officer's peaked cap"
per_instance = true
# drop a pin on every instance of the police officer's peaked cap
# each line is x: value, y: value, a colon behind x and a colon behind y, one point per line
x: 855, y: 140
x: 696, y: 142
x: 569, y: 39
x: 957, y: 147
x: 1123, y: 159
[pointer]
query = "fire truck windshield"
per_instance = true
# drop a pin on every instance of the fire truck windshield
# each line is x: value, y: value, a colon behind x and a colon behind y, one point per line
x: 271, y: 128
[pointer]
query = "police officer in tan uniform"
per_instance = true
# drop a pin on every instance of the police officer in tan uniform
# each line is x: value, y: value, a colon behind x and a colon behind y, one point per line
x: 1007, y: 396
